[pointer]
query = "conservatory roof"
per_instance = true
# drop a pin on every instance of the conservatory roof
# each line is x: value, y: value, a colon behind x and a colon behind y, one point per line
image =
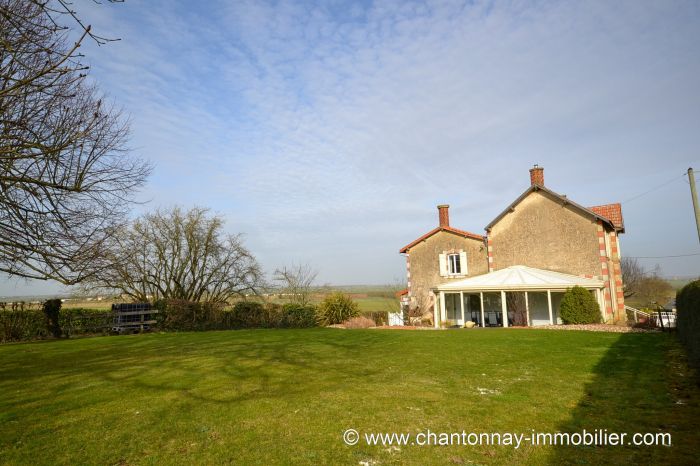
x: 521, y: 278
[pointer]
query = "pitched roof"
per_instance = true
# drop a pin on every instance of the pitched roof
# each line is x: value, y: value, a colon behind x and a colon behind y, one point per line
x: 520, y: 277
x: 462, y: 233
x: 613, y: 212
x: 563, y: 199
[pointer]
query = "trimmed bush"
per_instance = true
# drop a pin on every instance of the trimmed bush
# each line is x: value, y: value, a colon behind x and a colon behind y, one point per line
x: 298, y: 316
x: 578, y: 306
x: 178, y: 314
x: 249, y: 314
x: 84, y: 321
x: 688, y: 320
x: 336, y: 309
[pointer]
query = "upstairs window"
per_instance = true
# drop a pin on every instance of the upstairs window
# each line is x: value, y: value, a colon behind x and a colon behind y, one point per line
x: 454, y: 265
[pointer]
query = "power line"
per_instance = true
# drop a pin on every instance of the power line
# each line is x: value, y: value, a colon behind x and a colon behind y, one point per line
x: 654, y: 189
x: 663, y: 257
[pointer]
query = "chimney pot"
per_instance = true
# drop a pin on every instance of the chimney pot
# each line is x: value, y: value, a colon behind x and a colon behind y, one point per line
x: 444, y: 215
x: 537, y: 175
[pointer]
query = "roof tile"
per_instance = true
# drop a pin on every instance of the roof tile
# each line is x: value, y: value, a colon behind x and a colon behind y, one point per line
x: 612, y: 212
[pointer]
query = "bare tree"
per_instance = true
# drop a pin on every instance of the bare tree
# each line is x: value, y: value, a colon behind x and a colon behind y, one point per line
x: 297, y: 282
x: 66, y: 176
x: 515, y: 303
x: 653, y: 290
x: 632, y: 275
x: 421, y: 311
x: 175, y: 254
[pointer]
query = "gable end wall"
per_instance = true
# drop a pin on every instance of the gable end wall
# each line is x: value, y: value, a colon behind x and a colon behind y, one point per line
x: 542, y: 233
x: 422, y: 264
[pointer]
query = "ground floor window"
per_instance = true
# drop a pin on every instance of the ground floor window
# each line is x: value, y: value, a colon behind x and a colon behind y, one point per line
x: 492, y: 309
x: 472, y: 308
x: 539, y: 307
x: 453, y: 310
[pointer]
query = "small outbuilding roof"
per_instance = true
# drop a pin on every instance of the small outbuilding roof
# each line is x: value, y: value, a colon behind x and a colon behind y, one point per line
x: 521, y: 278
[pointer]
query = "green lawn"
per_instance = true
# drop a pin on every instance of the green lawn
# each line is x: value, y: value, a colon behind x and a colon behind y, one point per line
x: 286, y: 396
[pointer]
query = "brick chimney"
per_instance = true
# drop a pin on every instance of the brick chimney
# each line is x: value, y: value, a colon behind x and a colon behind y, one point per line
x: 444, y: 214
x: 537, y: 175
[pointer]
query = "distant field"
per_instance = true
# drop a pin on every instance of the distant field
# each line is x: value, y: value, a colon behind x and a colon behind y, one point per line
x: 369, y: 298
x: 679, y: 283
x: 98, y: 305
x: 366, y: 303
x: 377, y: 304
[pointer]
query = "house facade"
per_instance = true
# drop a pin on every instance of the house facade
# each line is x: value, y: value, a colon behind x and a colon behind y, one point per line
x: 540, y: 245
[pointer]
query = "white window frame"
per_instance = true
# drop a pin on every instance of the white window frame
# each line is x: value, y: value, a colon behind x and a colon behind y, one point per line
x: 446, y: 264
x: 454, y: 260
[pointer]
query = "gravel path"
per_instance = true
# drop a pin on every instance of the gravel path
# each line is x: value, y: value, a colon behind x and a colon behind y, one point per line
x: 597, y: 328
x: 585, y: 327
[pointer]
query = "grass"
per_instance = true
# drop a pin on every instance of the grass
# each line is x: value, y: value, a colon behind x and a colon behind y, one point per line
x: 286, y: 396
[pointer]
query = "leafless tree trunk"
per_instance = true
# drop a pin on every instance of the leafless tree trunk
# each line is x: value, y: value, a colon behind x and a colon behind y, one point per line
x: 421, y: 311
x: 66, y: 177
x: 178, y: 255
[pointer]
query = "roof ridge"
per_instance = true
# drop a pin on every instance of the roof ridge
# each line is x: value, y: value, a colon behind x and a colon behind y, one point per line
x: 537, y: 187
x: 450, y: 229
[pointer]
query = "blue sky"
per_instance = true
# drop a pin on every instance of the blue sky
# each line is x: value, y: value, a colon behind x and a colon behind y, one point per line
x: 327, y: 133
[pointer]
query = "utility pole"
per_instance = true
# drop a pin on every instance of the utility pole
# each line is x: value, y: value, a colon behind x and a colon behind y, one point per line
x: 694, y: 194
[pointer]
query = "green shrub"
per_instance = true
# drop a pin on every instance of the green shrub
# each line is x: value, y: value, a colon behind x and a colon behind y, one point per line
x: 578, y: 306
x: 52, y: 311
x: 179, y: 314
x: 298, y: 316
x: 83, y: 321
x: 336, y: 309
x: 688, y: 320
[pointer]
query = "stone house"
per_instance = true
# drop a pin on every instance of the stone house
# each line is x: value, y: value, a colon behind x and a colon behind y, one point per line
x: 539, y: 246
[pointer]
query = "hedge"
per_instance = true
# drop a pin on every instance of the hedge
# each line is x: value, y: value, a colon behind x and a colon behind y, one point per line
x: 22, y: 321
x: 688, y: 320
x: 33, y: 321
x: 25, y: 321
x: 184, y: 315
